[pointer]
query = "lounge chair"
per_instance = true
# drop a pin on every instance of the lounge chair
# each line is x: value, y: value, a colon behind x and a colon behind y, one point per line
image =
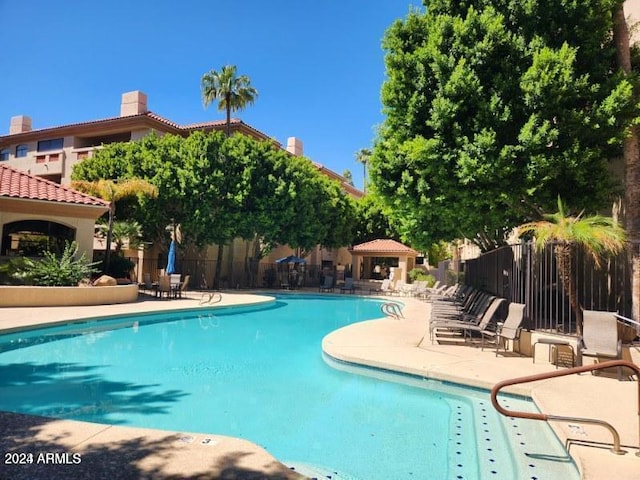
x: 473, y: 305
x: 398, y: 287
x: 327, y: 285
x: 471, y: 324
x: 509, y: 330
x: 384, y: 287
x: 600, y: 336
x: 348, y: 286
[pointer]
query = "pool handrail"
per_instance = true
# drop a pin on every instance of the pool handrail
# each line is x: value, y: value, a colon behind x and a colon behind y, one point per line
x: 561, y: 373
x: 391, y: 309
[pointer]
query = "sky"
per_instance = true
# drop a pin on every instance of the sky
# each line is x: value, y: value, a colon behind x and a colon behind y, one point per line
x: 318, y: 66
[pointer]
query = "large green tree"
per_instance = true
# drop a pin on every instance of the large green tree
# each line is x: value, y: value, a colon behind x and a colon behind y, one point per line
x: 217, y: 188
x: 493, y: 108
x: 372, y: 221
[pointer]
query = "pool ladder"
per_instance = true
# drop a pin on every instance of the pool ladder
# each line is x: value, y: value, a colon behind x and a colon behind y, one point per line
x: 561, y: 373
x: 392, y: 310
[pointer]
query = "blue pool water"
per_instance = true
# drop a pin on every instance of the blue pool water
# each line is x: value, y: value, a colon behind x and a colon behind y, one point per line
x: 259, y: 374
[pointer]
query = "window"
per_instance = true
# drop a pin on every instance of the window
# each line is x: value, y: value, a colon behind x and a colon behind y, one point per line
x: 21, y: 151
x: 4, y: 154
x: 53, y: 144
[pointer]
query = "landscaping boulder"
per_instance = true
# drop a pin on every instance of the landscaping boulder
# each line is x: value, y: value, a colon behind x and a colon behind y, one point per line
x: 105, y: 281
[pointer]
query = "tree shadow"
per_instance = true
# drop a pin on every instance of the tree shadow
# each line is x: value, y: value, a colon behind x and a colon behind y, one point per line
x: 121, y: 456
x: 71, y: 390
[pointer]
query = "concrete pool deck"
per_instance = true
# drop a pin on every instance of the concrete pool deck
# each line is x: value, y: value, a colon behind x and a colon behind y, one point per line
x: 116, y: 452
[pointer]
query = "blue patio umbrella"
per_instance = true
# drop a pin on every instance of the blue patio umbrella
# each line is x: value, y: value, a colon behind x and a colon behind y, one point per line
x: 291, y: 259
x: 171, y: 258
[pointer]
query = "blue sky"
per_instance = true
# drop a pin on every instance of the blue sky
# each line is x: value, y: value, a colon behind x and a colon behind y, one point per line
x: 318, y: 66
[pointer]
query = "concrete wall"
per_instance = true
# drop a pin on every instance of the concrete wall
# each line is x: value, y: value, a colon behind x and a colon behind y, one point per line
x: 22, y: 296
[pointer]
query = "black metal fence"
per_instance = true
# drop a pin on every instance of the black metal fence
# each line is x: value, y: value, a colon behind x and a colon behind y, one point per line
x: 521, y: 274
x: 240, y: 275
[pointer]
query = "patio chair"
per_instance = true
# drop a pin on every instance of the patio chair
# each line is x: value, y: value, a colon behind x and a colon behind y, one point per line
x: 509, y: 330
x: 183, y: 286
x: 397, y: 287
x: 472, y: 306
x: 164, y: 287
x: 471, y: 324
x: 383, y: 288
x: 600, y: 336
x: 146, y: 284
x: 348, y: 286
x: 327, y: 285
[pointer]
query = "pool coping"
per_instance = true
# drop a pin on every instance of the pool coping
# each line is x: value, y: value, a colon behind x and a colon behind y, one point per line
x: 394, y: 345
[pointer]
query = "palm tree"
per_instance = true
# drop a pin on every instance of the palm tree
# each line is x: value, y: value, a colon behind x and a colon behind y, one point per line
x: 597, y: 235
x: 631, y: 155
x: 362, y: 156
x: 129, y: 232
x: 233, y: 92
x: 112, y: 191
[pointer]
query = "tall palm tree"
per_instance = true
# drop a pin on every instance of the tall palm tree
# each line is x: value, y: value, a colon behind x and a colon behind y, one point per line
x: 597, y: 235
x: 233, y: 92
x: 631, y: 155
x: 362, y: 156
x: 112, y: 191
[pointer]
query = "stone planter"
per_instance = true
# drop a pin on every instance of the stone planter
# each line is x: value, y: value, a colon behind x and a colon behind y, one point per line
x: 23, y: 296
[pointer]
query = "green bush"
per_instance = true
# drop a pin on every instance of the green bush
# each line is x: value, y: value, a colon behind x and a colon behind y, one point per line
x: 418, y: 274
x: 51, y: 271
x: 120, y: 267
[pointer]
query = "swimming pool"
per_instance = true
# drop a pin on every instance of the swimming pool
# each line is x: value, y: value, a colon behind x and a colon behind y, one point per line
x: 258, y: 373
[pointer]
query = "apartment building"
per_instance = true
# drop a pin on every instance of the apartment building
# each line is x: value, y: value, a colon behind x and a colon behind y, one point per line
x: 51, y: 153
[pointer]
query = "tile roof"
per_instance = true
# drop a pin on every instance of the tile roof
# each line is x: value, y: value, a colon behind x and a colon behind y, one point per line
x: 128, y: 118
x: 383, y: 245
x: 17, y: 184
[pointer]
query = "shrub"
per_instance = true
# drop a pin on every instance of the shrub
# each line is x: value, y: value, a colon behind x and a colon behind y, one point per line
x: 51, y: 271
x: 120, y: 267
x: 418, y: 274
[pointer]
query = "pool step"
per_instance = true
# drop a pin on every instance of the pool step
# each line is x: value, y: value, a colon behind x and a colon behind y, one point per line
x: 318, y: 472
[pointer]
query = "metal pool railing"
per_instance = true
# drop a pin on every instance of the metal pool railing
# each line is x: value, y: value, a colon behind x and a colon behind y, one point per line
x: 392, y: 310
x: 545, y: 417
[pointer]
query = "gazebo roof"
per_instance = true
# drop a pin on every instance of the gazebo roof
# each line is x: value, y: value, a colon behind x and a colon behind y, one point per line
x: 383, y: 247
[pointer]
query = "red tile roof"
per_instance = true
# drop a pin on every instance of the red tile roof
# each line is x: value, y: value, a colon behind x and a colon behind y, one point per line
x: 17, y: 184
x: 383, y: 245
x: 142, y: 116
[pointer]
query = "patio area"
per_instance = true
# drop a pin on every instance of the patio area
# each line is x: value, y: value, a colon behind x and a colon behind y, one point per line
x: 385, y: 343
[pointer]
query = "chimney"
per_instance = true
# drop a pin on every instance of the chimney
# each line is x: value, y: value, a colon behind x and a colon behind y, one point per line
x: 20, y: 124
x: 133, y: 103
x: 294, y: 146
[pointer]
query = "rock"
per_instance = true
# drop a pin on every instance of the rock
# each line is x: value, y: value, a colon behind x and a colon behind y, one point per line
x: 105, y: 281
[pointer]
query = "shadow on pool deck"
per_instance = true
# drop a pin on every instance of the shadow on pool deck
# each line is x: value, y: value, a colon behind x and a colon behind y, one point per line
x: 45, y: 448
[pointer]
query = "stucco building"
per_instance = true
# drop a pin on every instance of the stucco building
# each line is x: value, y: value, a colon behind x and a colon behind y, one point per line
x: 50, y: 153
